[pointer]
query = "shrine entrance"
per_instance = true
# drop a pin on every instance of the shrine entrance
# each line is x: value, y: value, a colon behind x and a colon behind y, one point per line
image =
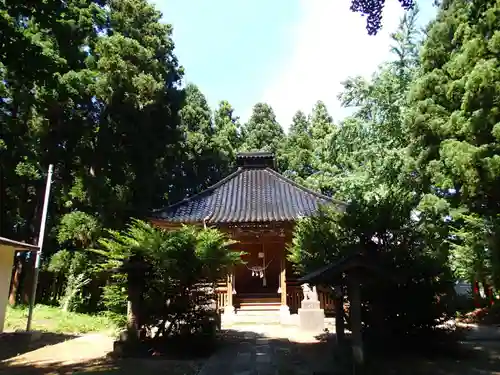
x: 261, y: 272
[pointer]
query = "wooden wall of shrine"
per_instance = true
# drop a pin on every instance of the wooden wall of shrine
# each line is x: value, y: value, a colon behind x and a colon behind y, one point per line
x: 272, y: 240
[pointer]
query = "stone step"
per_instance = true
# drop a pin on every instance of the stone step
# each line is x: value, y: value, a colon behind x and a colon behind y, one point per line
x: 252, y: 318
x: 258, y: 300
x: 258, y: 312
x: 256, y: 316
x: 273, y: 306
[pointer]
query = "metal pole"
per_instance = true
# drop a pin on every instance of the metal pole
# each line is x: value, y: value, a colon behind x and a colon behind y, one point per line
x: 41, y: 236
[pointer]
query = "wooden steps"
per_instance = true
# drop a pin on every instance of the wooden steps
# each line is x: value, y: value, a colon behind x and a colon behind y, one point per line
x: 258, y: 310
x: 257, y: 298
x: 257, y: 301
x: 258, y: 306
x: 255, y: 308
x: 261, y: 302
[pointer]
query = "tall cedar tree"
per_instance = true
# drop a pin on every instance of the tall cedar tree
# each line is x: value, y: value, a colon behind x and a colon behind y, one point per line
x: 455, y: 120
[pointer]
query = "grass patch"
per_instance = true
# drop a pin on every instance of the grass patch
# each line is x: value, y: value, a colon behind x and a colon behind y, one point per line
x: 53, y: 319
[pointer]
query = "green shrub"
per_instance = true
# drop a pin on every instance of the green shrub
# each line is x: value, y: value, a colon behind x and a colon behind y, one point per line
x: 410, y: 294
x: 114, y: 297
x: 171, y: 277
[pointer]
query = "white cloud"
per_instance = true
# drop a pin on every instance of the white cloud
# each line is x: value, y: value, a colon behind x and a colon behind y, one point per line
x: 331, y: 44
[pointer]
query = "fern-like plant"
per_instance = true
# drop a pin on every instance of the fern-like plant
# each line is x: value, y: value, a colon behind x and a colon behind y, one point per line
x: 170, y: 275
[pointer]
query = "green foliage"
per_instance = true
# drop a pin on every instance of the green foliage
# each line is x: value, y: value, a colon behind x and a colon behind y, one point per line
x: 407, y: 297
x: 212, y: 250
x: 296, y: 157
x: 470, y: 258
x: 73, y: 298
x: 453, y: 121
x: 79, y: 229
x: 367, y: 151
x: 114, y: 300
x: 60, y: 262
x: 319, y: 240
x: 227, y: 133
x: 172, y: 272
x: 262, y: 132
x: 54, y: 320
x: 95, y: 88
x: 76, y: 269
x: 78, y: 275
x: 208, y: 153
x: 109, y: 75
x: 114, y: 297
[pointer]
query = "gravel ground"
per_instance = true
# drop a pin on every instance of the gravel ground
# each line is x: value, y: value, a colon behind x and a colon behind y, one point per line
x: 83, y: 355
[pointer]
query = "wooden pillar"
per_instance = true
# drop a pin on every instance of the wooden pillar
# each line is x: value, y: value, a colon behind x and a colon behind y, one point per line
x: 354, y: 294
x: 283, y: 280
x: 339, y: 315
x: 229, y: 292
x: 233, y: 278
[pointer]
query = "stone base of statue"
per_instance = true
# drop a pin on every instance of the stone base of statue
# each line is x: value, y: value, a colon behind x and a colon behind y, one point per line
x: 229, y: 314
x: 127, y: 344
x: 285, y: 316
x: 311, y: 316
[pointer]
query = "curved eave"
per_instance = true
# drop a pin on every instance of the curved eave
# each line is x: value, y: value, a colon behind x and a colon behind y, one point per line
x: 248, y: 195
x: 200, y: 194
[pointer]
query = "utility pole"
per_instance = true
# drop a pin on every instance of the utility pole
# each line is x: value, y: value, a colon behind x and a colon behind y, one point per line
x: 41, y: 236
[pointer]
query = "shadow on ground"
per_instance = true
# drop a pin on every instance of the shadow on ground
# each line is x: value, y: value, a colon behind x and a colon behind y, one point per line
x: 473, y: 358
x: 325, y: 357
x: 289, y: 357
x: 16, y: 343
x: 108, y: 366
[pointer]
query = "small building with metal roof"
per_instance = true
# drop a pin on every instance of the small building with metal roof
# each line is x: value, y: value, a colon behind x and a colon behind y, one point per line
x: 8, y: 249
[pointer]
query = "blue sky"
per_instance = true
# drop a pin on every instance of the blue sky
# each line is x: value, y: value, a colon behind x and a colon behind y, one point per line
x: 288, y: 53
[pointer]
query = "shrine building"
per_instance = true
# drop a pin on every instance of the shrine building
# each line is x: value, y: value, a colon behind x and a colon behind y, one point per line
x: 257, y: 207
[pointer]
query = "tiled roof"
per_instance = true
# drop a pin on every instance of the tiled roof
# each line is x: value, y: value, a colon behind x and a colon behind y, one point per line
x: 251, y: 194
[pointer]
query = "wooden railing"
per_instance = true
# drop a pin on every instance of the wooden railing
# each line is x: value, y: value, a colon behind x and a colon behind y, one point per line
x: 295, y: 296
x: 327, y: 300
x: 221, y: 292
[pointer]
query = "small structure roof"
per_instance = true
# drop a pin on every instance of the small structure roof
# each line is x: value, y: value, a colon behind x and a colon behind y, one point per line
x: 20, y: 246
x: 254, y: 193
x: 334, y: 271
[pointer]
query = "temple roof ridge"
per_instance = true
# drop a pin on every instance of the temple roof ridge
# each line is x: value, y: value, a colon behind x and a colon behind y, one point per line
x: 255, y: 192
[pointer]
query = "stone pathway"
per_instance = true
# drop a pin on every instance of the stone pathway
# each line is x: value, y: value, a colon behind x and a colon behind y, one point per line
x: 263, y: 350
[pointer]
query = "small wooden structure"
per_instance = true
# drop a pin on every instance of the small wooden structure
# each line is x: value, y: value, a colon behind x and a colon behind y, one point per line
x: 8, y: 250
x: 349, y: 270
x: 257, y: 207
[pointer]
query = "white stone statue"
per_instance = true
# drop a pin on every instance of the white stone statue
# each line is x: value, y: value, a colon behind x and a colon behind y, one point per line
x: 309, y: 294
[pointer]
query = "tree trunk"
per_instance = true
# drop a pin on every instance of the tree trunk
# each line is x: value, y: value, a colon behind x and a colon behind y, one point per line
x: 488, y: 292
x: 32, y: 231
x: 53, y: 289
x: 16, y: 280
x: 135, y: 281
